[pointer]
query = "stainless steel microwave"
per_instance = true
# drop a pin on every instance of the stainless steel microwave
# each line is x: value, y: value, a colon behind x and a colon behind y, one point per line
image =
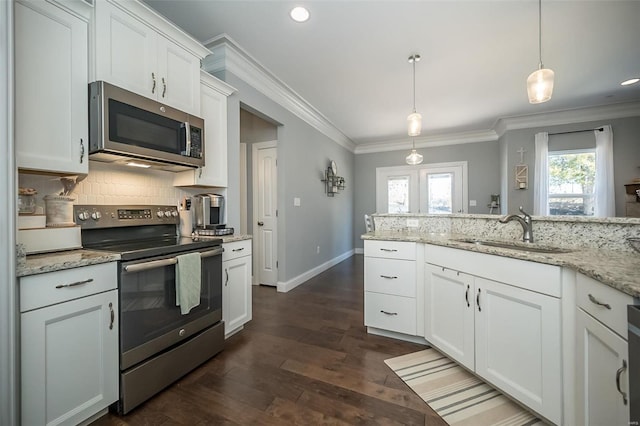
x: 127, y: 128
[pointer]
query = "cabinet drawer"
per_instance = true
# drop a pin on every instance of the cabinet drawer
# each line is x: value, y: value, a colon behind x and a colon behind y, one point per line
x: 390, y: 249
x: 236, y: 249
x: 390, y: 276
x: 393, y: 313
x: 615, y: 315
x: 41, y: 290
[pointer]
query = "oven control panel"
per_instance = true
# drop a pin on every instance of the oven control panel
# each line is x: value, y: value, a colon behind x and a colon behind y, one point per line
x: 101, y: 216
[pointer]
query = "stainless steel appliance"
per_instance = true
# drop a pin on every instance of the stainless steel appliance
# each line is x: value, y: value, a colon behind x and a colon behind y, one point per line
x: 158, y: 344
x: 633, y: 315
x: 208, y: 210
x: 128, y: 128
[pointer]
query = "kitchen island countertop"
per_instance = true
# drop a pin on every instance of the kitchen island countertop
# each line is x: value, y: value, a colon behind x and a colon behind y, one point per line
x: 616, y: 269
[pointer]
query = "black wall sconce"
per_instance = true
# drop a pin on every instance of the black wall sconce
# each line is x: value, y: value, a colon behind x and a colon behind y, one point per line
x: 332, y: 182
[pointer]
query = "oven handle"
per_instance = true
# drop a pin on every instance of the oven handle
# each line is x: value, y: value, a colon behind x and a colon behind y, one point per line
x: 139, y: 267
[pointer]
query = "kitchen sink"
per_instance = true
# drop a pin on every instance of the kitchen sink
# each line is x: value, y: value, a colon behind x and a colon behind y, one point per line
x: 513, y: 246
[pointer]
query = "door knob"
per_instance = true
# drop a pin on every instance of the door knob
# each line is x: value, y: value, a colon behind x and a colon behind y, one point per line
x: 260, y: 223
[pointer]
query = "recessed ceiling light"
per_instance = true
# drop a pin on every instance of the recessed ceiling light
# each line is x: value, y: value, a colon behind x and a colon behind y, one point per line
x: 630, y: 81
x: 299, y: 14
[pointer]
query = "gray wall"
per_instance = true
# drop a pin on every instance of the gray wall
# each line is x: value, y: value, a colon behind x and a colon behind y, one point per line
x: 483, y: 166
x: 626, y: 152
x: 303, y: 155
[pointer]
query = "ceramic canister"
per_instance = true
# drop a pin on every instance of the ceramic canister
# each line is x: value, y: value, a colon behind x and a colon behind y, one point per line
x: 59, y: 210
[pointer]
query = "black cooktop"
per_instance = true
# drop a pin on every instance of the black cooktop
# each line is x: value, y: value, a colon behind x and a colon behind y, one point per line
x: 140, y: 249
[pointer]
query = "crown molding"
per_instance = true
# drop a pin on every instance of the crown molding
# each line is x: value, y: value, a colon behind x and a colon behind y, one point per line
x: 229, y: 56
x: 216, y: 84
x: 427, y: 141
x: 569, y: 116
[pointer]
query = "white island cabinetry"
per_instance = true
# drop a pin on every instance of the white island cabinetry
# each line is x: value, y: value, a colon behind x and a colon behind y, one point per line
x: 391, y: 290
x: 602, y: 354
x: 236, y: 290
x: 501, y: 318
x: 69, y: 344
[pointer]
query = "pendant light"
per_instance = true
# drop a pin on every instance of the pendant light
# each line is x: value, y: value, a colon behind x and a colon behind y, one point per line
x: 414, y: 120
x: 414, y: 158
x: 540, y: 82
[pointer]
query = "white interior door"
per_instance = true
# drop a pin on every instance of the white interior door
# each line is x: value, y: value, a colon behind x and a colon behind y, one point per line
x: 265, y: 212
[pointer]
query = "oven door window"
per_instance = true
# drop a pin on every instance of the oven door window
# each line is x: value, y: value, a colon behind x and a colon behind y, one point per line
x: 134, y: 126
x: 148, y: 308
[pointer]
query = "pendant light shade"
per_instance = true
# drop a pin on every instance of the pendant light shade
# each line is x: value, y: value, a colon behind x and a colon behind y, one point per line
x: 540, y: 85
x: 414, y: 120
x: 414, y: 158
x: 540, y: 82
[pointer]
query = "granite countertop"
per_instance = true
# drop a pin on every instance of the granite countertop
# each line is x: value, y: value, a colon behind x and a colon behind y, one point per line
x: 51, y: 262
x: 617, y: 269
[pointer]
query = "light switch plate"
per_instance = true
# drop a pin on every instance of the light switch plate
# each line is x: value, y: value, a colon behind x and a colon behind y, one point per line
x: 472, y: 203
x: 296, y: 201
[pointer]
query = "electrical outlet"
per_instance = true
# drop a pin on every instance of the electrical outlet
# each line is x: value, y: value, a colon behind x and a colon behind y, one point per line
x: 472, y: 203
x: 296, y: 202
x: 413, y: 223
x: 318, y: 250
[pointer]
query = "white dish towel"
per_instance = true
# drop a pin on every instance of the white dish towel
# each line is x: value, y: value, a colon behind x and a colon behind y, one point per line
x: 188, y: 277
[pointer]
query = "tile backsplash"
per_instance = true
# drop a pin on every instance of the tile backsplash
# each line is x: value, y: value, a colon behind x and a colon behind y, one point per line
x: 109, y: 184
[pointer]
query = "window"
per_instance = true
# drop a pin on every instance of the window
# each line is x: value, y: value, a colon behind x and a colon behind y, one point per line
x: 572, y: 177
x: 431, y: 188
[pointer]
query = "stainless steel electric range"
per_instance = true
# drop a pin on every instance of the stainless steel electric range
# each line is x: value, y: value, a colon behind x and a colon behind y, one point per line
x: 158, y: 344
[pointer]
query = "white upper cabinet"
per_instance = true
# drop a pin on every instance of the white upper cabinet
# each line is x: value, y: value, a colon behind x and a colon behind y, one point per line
x: 139, y: 51
x: 51, y: 77
x: 213, y: 98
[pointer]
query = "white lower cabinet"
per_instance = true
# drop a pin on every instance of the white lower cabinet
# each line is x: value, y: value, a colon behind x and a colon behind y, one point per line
x: 69, y: 344
x: 602, y: 373
x: 449, y: 313
x: 236, y: 291
x: 507, y: 333
x: 390, y: 284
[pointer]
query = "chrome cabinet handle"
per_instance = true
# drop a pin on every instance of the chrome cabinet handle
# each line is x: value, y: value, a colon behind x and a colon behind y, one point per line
x: 618, y: 374
x: 81, y: 150
x: 238, y: 249
x: 599, y: 303
x: 466, y: 296
x: 113, y: 316
x: 226, y: 271
x: 153, y: 77
x: 478, y: 300
x: 389, y: 250
x: 260, y: 223
x: 389, y: 313
x: 164, y: 87
x: 77, y: 283
x: 389, y: 277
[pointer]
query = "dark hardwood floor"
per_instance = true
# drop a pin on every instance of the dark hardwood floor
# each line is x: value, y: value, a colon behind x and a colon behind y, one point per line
x: 305, y: 358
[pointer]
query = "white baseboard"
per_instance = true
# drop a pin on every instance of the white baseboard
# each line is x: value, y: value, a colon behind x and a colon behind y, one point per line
x: 284, y: 287
x: 359, y: 251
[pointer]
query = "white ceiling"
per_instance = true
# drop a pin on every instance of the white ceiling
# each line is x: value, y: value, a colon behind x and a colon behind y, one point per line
x: 350, y: 59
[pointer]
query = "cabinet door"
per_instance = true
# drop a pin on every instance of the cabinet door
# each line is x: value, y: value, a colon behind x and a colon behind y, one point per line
x: 236, y: 306
x: 126, y: 51
x: 51, y: 76
x: 601, y: 374
x: 179, y: 72
x: 69, y: 355
x: 518, y: 345
x: 449, y: 313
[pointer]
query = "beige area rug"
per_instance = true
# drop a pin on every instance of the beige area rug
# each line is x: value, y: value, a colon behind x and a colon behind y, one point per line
x: 459, y: 397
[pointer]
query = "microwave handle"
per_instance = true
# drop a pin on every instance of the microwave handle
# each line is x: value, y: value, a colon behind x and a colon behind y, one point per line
x: 187, y: 129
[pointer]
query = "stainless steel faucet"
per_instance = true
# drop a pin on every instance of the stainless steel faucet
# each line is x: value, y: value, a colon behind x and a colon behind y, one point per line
x: 525, y: 221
